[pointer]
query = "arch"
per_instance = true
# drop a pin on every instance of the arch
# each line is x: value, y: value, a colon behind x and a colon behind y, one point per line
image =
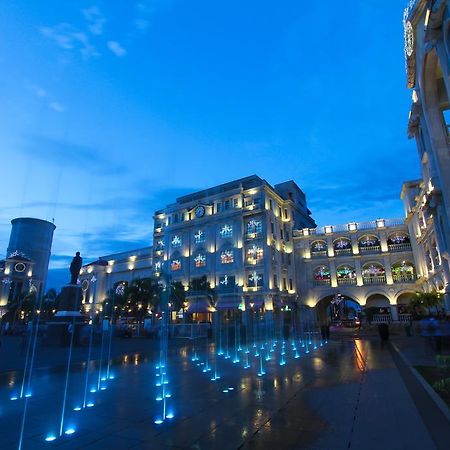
x: 397, y: 238
x: 345, y: 274
x: 368, y: 241
x: 319, y: 246
x: 404, y: 297
x: 342, y: 243
x: 377, y: 301
x: 322, y: 275
x: 337, y: 307
x: 373, y: 273
x: 403, y: 271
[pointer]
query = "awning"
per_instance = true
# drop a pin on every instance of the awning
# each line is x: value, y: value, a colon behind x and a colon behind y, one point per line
x: 199, y: 305
x: 229, y: 302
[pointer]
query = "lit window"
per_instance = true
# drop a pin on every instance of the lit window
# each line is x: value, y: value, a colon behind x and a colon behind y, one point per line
x: 255, y: 254
x: 176, y: 241
x: 255, y: 280
x: 226, y: 231
x: 200, y: 260
x: 175, y: 264
x: 158, y: 266
x: 199, y: 237
x: 254, y: 228
x: 227, y: 257
x: 160, y: 245
x: 227, y: 281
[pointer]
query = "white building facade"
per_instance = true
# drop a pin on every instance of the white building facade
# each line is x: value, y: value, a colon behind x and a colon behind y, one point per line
x: 371, y: 263
x: 238, y: 235
x: 427, y: 201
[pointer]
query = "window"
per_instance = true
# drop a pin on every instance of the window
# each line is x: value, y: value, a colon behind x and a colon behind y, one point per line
x: 200, y: 260
x: 279, y: 212
x: 275, y: 281
x: 284, y: 284
x: 175, y: 264
x: 219, y: 207
x: 227, y: 282
x: 227, y: 257
x: 226, y: 231
x: 199, y: 237
x: 291, y: 286
x: 159, y: 245
x: 176, y: 241
x: 158, y: 266
x: 281, y: 234
x: 318, y: 247
x: 282, y: 258
x: 289, y: 259
x: 254, y: 228
x: 286, y: 233
x: 227, y: 204
x: 286, y: 214
x: 248, y: 202
x: 272, y: 227
x: 270, y: 204
x: 342, y: 244
x: 322, y: 275
x: 235, y: 202
x: 175, y: 218
x: 255, y: 280
x: 255, y: 254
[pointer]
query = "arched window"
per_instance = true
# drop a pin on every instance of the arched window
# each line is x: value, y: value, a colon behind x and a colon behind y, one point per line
x: 175, y: 264
x: 398, y: 241
x: 200, y: 260
x: 227, y: 256
x: 342, y: 246
x: 255, y: 254
x: 373, y: 273
x: 319, y: 248
x: 403, y: 272
x: 369, y: 244
x: 199, y: 237
x: 346, y: 274
x: 322, y: 275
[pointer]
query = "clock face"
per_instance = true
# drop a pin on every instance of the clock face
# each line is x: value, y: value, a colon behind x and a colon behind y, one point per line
x: 20, y: 267
x: 200, y: 211
x: 85, y: 285
x: 409, y: 39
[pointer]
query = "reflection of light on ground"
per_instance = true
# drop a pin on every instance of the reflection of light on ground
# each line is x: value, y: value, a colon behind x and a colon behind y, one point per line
x: 360, y: 356
x: 317, y: 363
x: 12, y: 380
x: 275, y: 383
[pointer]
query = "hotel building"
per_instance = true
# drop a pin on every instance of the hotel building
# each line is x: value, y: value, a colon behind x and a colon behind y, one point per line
x: 237, y: 236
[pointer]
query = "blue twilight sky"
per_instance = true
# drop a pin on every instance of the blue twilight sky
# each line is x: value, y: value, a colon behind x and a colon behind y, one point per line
x: 111, y: 109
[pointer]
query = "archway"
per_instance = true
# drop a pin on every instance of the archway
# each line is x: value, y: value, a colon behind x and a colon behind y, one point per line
x: 378, y: 308
x: 336, y: 308
x: 403, y: 301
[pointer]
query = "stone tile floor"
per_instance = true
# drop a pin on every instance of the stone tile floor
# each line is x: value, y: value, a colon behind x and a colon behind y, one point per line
x: 347, y: 394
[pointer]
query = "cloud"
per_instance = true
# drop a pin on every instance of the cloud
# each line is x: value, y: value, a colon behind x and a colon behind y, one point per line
x: 69, y: 37
x: 95, y: 19
x: 144, y: 10
x: 116, y: 48
x: 56, y: 107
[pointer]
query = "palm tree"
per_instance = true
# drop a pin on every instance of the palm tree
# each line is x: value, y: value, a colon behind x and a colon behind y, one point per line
x: 425, y: 301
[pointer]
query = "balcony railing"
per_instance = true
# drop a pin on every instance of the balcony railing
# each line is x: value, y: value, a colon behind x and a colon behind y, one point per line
x: 381, y: 279
x: 406, y: 247
x: 370, y: 249
x: 404, y: 278
x: 322, y: 282
x: 346, y: 281
x: 343, y: 251
x: 318, y: 253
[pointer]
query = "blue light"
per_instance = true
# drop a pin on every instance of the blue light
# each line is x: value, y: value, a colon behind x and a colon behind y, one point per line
x: 158, y: 399
x: 69, y: 431
x: 111, y: 377
x: 103, y: 388
x: 103, y: 378
x: 231, y: 388
x: 225, y: 391
x: 77, y: 408
x: 158, y: 384
x: 90, y: 404
x: 50, y: 438
x: 93, y: 390
x: 14, y: 398
x: 168, y: 395
x: 158, y: 421
x: 170, y: 416
x: 28, y: 394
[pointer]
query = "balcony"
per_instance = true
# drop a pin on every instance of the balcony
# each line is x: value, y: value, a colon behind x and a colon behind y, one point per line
x: 318, y: 254
x: 381, y: 279
x: 322, y: 282
x: 404, y: 278
x: 370, y: 249
x: 346, y: 281
x: 343, y: 251
x: 405, y: 247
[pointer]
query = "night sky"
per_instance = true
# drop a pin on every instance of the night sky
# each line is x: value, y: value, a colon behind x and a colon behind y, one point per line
x: 110, y: 110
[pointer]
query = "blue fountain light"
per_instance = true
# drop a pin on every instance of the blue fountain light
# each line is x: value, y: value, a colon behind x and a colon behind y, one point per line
x: 14, y: 397
x: 90, y: 404
x: 77, y: 408
x: 225, y: 391
x: 103, y: 378
x: 28, y: 395
x: 50, y: 438
x: 93, y: 390
x: 170, y: 416
x: 111, y: 377
x: 168, y: 395
x: 103, y: 388
x: 69, y: 431
x: 158, y: 421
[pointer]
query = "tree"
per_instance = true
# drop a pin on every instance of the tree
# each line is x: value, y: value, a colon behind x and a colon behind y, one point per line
x: 141, y: 296
x: 424, y: 302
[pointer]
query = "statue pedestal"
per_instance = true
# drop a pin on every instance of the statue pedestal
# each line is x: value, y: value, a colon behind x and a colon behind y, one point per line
x: 68, y: 319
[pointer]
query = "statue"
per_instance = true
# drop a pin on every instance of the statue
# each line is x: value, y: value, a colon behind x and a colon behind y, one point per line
x: 75, y: 267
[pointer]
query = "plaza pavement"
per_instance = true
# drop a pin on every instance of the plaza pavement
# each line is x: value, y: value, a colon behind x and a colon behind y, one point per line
x: 351, y: 393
